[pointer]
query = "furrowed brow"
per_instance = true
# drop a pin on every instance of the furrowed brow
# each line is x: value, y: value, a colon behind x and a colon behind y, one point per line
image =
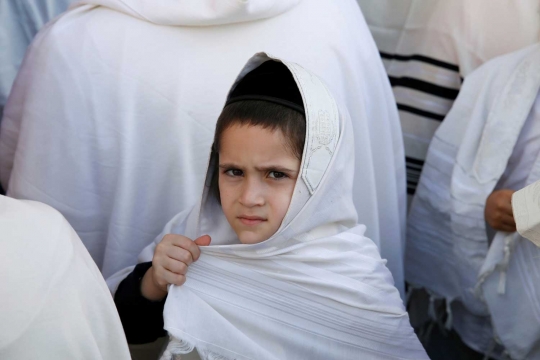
x: 275, y: 168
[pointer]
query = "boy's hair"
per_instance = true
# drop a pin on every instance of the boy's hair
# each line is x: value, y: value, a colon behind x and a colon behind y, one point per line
x: 267, y: 115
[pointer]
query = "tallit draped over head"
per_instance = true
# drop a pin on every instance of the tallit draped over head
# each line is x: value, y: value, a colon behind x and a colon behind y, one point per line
x: 493, y: 287
x: 54, y: 303
x: 317, y: 289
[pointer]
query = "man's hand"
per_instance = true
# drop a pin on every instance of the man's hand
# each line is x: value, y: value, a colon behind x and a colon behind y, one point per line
x: 498, y: 211
x: 171, y: 259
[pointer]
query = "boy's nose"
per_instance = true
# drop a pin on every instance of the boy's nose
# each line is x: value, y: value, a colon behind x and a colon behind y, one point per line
x: 252, y: 194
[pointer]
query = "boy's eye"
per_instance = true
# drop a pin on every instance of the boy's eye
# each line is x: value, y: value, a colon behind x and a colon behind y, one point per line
x: 234, y: 172
x: 277, y: 175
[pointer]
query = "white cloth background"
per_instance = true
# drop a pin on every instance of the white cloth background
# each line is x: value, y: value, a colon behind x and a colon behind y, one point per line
x: 19, y: 23
x: 448, y: 251
x: 526, y: 208
x: 428, y: 46
x: 54, y: 303
x: 125, y: 108
x: 317, y: 289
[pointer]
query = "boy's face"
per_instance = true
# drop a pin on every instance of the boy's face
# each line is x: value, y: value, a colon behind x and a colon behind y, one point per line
x: 257, y: 175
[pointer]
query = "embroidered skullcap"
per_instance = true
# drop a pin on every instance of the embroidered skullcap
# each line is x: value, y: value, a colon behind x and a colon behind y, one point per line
x: 271, y: 82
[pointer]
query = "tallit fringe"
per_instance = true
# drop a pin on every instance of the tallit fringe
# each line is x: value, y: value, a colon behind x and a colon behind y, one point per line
x: 509, y: 243
x: 490, y: 350
x: 449, y: 316
x: 209, y: 355
x: 178, y: 347
x: 431, y: 312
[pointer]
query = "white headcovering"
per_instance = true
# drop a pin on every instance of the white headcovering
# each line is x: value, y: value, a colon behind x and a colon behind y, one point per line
x: 126, y: 120
x: 317, y: 289
x: 447, y: 249
x: 54, y: 303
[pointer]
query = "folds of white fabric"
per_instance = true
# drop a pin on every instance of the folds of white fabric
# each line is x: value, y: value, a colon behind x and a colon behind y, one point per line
x: 126, y: 109
x: 54, y: 303
x: 527, y: 212
x: 311, y: 306
x: 19, y: 23
x: 448, y: 250
x: 316, y: 289
x: 429, y: 46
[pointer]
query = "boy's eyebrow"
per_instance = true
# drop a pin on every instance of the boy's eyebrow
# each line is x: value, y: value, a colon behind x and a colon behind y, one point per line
x: 229, y: 166
x: 277, y: 168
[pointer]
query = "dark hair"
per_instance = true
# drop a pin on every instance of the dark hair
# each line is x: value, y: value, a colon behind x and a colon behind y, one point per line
x: 267, y: 115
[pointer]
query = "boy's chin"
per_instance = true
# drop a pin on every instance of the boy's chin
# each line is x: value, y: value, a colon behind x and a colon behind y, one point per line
x: 249, y: 237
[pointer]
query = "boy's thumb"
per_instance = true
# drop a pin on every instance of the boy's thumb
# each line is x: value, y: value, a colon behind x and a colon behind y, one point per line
x: 203, y: 240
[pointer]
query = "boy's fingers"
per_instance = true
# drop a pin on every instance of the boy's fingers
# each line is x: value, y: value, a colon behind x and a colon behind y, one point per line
x: 176, y: 267
x: 175, y: 279
x: 180, y: 254
x: 203, y: 240
x: 187, y: 244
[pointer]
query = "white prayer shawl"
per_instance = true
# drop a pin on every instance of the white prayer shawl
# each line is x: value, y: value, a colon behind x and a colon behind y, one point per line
x: 317, y: 289
x: 54, y: 303
x: 19, y: 23
x: 526, y: 208
x: 428, y: 46
x: 447, y: 248
x: 126, y: 107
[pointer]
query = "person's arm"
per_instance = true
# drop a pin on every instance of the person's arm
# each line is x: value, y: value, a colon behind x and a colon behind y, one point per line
x: 141, y: 318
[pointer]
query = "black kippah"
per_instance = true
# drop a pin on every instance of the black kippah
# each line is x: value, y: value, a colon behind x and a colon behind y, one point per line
x: 272, y: 81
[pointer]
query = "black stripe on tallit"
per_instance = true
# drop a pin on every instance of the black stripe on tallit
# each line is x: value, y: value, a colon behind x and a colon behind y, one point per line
x: 421, y: 58
x: 414, y: 169
x: 420, y: 112
x: 424, y: 86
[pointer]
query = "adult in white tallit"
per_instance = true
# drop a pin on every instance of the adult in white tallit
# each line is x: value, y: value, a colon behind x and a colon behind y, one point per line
x: 54, y: 303
x: 115, y: 107
x: 316, y: 289
x: 428, y: 46
x: 490, y: 140
x: 19, y: 23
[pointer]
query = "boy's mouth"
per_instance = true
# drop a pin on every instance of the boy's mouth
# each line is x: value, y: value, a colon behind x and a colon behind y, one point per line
x: 251, y: 220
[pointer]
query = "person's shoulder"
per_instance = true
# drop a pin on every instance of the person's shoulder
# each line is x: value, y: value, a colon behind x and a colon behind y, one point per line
x: 501, y: 68
x: 26, y: 217
x: 81, y: 26
x: 25, y: 208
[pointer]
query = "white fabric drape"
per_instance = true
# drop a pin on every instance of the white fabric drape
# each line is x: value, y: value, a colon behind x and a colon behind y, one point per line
x: 448, y: 251
x: 428, y: 46
x: 525, y: 204
x: 19, y: 23
x: 317, y: 289
x: 54, y: 303
x: 126, y: 106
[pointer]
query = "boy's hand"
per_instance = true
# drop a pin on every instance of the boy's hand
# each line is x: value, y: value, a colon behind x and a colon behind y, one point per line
x: 171, y: 259
x: 498, y: 211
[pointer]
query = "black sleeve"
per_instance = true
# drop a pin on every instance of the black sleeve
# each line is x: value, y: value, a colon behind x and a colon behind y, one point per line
x: 141, y: 318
